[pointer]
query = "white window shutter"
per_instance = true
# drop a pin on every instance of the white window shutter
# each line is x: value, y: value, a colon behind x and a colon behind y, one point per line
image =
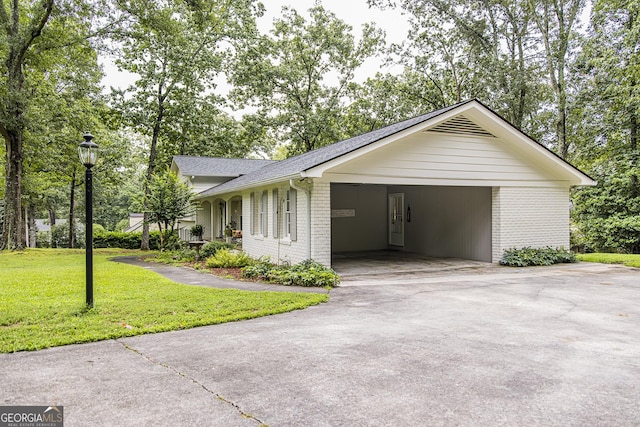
x: 252, y: 219
x: 276, y: 214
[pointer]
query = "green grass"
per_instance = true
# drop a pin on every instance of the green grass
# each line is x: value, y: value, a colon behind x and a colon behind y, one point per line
x: 625, y: 259
x: 42, y: 296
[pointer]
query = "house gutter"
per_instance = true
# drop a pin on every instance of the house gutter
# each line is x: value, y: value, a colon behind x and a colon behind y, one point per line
x: 308, y: 194
x: 243, y: 187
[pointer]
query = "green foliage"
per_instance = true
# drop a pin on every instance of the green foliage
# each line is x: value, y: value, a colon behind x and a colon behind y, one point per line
x: 176, y: 257
x: 210, y: 249
x: 285, y: 75
x: 42, y: 301
x: 118, y: 239
x: 60, y: 236
x: 307, y: 273
x: 196, y: 231
x: 176, y: 50
x: 122, y: 225
x: 528, y: 256
x: 625, y: 259
x: 169, y: 199
x: 607, y: 217
x: 225, y: 258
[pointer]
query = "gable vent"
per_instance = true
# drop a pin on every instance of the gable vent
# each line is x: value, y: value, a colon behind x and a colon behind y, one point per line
x: 460, y: 125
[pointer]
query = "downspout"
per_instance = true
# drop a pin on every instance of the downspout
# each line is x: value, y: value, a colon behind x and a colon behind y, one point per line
x: 308, y: 194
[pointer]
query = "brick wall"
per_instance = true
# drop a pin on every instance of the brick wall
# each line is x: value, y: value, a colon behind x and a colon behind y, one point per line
x: 321, y: 222
x: 529, y: 216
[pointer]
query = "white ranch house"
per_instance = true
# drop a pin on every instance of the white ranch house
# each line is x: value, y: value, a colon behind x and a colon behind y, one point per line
x: 460, y: 182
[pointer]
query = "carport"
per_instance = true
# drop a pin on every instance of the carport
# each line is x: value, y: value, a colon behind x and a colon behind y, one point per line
x: 429, y: 221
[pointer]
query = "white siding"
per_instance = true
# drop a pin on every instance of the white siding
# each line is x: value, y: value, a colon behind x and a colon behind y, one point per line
x: 438, y: 159
x: 533, y: 216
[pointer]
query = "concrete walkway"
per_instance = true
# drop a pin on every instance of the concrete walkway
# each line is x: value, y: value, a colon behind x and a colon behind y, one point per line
x: 190, y: 276
x: 549, y: 346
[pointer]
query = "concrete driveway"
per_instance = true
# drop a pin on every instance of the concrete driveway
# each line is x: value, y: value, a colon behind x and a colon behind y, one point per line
x: 551, y: 346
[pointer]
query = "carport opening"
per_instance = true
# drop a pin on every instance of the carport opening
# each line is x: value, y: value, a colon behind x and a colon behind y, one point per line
x: 435, y: 221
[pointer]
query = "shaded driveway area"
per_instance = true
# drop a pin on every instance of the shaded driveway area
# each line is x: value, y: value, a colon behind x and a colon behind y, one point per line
x: 551, y: 346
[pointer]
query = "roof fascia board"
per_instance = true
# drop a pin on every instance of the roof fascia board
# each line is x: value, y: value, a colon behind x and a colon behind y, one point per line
x: 581, y: 178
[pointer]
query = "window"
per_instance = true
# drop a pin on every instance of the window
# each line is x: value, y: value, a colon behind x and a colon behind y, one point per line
x: 264, y: 200
x: 253, y: 207
x: 290, y: 214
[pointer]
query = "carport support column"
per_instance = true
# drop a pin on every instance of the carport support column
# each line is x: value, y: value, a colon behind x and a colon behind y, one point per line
x: 496, y: 241
x: 321, y: 217
x: 227, y: 215
x: 307, y: 195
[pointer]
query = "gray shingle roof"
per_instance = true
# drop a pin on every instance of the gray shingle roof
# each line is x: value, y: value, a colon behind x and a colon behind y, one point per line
x: 216, y: 166
x: 295, y: 165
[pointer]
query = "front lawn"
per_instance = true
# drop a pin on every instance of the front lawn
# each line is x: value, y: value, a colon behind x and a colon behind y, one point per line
x: 42, y: 295
x: 625, y: 259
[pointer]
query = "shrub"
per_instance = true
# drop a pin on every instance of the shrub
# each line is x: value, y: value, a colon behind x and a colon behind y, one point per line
x: 117, y: 239
x: 529, y: 256
x: 306, y: 273
x: 182, y: 255
x: 210, y: 249
x: 225, y: 258
x: 258, y: 270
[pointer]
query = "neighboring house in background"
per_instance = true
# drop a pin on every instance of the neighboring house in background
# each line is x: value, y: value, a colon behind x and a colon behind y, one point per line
x: 136, y: 222
x: 460, y: 182
x: 203, y: 173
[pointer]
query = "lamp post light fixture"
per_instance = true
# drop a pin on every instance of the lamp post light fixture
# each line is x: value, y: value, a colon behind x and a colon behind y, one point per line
x: 88, y: 152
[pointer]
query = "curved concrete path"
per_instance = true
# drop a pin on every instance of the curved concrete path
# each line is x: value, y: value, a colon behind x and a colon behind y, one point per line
x: 190, y: 276
x: 556, y: 346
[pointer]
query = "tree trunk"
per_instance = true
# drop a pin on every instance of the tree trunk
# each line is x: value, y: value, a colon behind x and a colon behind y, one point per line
x: 12, y: 235
x: 52, y: 216
x: 32, y: 225
x: 153, y: 153
x: 72, y: 219
x: 633, y: 147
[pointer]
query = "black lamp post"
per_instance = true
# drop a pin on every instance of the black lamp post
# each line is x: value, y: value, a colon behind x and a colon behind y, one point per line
x: 88, y: 152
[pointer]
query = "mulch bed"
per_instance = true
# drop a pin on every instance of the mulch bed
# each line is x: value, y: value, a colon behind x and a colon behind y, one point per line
x: 226, y: 273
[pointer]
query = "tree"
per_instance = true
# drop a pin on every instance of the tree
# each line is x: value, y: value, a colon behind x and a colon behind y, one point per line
x: 386, y: 99
x: 473, y: 49
x: 288, y: 76
x: 607, y: 217
x: 556, y: 20
x: 64, y: 106
x: 22, y: 25
x: 38, y: 39
x: 175, y: 48
x: 169, y: 199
